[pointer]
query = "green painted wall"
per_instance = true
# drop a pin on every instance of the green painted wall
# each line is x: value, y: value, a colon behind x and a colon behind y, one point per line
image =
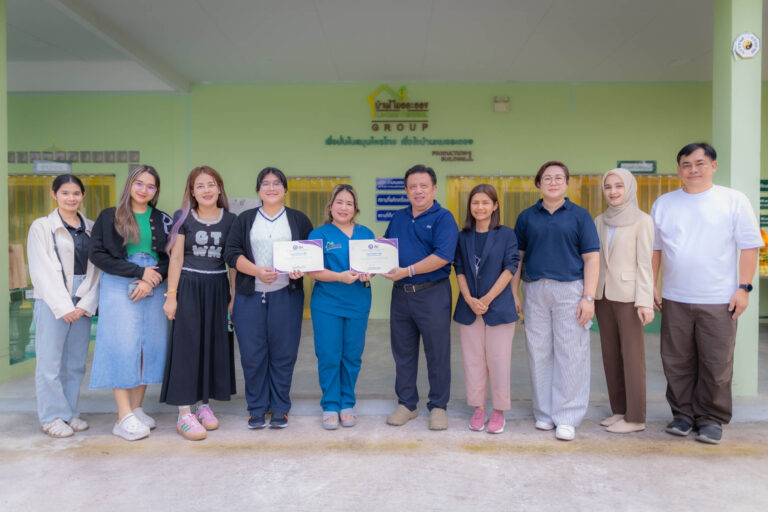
x: 5, y: 367
x: 152, y: 124
x: 239, y: 129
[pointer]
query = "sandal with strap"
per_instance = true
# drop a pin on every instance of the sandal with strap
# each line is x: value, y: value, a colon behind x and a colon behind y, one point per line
x: 330, y: 420
x: 78, y: 424
x: 58, y: 428
x: 348, y: 417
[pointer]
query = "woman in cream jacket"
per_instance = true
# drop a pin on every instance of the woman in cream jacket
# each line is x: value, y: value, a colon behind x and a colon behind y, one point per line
x: 66, y: 292
x: 624, y: 299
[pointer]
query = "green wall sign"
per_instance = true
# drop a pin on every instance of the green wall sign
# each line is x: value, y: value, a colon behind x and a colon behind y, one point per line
x: 638, y: 166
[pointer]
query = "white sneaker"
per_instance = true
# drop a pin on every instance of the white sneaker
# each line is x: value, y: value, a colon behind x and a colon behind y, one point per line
x: 130, y: 428
x: 565, y: 432
x: 544, y: 425
x: 144, y: 418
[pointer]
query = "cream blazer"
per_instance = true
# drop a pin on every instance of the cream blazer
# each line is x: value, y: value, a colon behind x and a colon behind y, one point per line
x: 46, y: 271
x: 625, y: 264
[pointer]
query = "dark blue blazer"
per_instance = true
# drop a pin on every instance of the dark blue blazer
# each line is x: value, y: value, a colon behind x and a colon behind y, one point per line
x: 499, y: 254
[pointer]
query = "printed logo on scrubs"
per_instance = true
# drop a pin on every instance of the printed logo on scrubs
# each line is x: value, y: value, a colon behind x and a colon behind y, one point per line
x: 208, y: 244
x: 329, y: 246
x: 391, y: 111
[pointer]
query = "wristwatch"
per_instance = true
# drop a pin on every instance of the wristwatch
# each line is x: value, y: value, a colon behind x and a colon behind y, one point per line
x: 746, y: 287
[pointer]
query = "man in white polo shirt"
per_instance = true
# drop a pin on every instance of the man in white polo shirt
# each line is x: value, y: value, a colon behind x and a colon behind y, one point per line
x: 700, y: 230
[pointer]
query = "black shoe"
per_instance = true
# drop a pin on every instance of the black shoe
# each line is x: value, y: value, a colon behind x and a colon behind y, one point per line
x: 679, y: 427
x: 256, y: 421
x: 710, y: 434
x: 279, y: 420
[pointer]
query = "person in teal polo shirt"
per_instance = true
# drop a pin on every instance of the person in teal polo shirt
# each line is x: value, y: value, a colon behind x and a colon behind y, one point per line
x: 341, y: 301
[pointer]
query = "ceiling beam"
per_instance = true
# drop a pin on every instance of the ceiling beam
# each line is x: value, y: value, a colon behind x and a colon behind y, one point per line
x: 121, y: 41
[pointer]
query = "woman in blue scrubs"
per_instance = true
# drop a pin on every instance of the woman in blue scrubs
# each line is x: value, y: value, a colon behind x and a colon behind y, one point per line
x: 341, y: 301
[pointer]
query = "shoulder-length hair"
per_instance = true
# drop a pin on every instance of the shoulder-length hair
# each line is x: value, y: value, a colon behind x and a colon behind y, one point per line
x: 125, y: 221
x: 188, y: 201
x: 488, y: 190
x: 335, y: 192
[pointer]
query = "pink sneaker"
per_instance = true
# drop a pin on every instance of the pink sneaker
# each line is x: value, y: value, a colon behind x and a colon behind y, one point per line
x: 206, y: 417
x: 190, y: 428
x: 496, y: 423
x: 477, y: 421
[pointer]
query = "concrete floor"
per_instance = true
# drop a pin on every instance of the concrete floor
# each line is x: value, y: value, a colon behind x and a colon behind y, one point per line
x: 379, y: 467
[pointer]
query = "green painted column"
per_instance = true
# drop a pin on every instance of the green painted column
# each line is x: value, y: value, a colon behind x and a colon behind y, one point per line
x: 736, y: 91
x: 5, y: 368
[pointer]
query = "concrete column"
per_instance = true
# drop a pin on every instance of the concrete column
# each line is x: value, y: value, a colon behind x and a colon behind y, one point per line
x: 5, y: 369
x: 736, y: 137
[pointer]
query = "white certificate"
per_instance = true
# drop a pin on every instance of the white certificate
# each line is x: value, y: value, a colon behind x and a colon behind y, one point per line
x: 304, y: 255
x: 377, y: 256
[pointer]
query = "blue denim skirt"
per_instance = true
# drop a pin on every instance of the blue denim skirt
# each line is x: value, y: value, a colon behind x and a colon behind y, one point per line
x: 131, y: 337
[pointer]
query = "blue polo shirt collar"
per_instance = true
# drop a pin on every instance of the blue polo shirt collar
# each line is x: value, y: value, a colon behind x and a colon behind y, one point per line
x: 435, y: 207
x: 567, y: 205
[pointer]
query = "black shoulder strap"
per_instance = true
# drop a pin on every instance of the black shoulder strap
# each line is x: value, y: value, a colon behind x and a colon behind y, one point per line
x: 56, y: 250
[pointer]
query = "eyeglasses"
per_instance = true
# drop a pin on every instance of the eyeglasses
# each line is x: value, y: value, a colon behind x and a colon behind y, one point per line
x: 274, y: 185
x: 138, y: 185
x: 206, y: 186
x: 559, y: 179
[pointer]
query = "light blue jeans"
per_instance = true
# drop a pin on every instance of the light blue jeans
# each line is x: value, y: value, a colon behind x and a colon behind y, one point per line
x: 62, y: 349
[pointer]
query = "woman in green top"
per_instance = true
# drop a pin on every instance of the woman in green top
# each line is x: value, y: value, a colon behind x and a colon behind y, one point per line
x: 127, y: 244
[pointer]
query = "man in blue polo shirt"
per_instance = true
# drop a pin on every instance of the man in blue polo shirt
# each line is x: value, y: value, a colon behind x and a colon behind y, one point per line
x: 421, y: 298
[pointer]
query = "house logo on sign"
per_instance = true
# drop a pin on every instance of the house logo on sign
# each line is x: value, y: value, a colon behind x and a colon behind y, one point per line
x: 392, y: 111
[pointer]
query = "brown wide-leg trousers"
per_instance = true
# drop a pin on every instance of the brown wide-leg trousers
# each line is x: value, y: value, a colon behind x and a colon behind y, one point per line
x: 621, y: 340
x: 697, y: 343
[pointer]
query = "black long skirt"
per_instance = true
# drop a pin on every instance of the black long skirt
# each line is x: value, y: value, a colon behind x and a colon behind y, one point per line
x: 200, y: 364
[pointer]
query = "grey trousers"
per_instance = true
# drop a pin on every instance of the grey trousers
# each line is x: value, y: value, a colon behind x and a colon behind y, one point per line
x: 558, y: 351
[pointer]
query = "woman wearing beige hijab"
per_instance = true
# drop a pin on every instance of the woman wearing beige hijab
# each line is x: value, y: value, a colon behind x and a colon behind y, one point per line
x: 624, y: 299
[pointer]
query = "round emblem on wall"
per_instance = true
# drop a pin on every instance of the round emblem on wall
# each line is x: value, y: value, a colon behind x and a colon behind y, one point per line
x: 746, y: 46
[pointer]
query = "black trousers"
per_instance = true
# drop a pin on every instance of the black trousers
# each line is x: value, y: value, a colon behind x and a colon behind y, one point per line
x: 426, y: 314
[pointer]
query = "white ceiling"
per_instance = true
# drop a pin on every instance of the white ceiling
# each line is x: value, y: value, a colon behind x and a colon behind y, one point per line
x: 66, y: 45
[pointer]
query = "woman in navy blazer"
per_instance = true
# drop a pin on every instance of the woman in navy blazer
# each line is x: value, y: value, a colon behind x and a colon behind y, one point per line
x: 486, y: 259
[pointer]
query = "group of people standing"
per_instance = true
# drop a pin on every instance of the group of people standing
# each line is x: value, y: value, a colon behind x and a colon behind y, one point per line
x: 142, y: 268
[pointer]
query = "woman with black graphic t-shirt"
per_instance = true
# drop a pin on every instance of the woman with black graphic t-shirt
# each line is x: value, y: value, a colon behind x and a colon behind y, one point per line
x: 200, y: 361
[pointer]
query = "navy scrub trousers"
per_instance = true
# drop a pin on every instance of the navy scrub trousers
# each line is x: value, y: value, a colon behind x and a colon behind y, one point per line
x: 425, y: 313
x: 268, y: 334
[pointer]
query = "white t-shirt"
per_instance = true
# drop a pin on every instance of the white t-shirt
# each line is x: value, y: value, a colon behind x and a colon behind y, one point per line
x: 264, y: 231
x: 698, y: 236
